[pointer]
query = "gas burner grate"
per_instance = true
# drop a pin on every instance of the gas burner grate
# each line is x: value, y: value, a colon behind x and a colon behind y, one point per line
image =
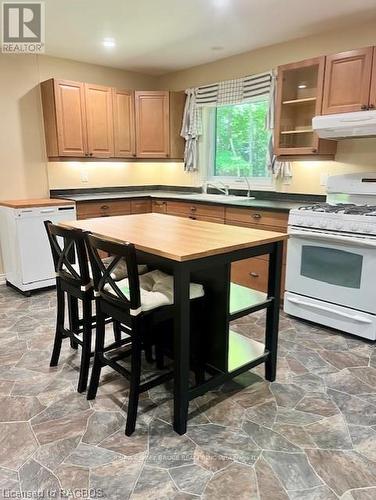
x: 329, y: 208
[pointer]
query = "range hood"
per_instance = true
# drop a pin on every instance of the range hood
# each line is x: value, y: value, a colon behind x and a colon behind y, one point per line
x: 344, y: 125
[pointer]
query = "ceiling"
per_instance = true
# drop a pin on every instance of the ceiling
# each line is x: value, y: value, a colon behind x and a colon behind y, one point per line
x: 160, y: 36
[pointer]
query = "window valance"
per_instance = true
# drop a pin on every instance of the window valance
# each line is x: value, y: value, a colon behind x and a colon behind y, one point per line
x: 234, y: 91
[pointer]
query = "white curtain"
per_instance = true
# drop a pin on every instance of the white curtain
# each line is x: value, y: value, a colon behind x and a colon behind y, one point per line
x: 279, y: 169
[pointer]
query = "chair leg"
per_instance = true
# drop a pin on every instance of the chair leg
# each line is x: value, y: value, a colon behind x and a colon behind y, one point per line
x: 117, y: 331
x: 99, y: 347
x: 73, y: 318
x: 60, y: 316
x: 148, y: 342
x: 149, y: 352
x: 86, y: 345
x: 159, y: 356
x: 134, y: 390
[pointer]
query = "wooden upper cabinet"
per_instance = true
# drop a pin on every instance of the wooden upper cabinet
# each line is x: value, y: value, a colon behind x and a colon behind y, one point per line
x: 64, y: 118
x: 100, y: 132
x: 347, y: 81
x: 372, y: 97
x: 124, y: 124
x: 299, y: 99
x: 152, y: 124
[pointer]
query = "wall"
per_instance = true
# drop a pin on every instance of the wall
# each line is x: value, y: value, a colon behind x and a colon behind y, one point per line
x: 257, y: 61
x: 67, y: 175
x: 23, y: 164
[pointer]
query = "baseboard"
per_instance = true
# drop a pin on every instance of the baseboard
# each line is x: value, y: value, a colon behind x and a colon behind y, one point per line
x: 2, y: 279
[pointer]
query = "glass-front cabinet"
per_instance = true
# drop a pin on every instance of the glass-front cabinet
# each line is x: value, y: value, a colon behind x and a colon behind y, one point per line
x: 299, y: 99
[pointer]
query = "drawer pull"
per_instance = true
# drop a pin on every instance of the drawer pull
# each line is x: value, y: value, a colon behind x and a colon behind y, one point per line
x: 254, y: 275
x: 105, y: 207
x: 193, y: 209
x: 256, y: 216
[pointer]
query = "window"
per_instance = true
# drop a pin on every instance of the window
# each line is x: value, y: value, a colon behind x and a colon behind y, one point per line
x: 240, y: 143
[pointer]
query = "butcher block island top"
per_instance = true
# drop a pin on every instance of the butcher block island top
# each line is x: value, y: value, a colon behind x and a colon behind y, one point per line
x: 176, y: 238
x: 35, y: 203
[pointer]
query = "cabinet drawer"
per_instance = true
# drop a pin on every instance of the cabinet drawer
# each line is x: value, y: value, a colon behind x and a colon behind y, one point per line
x: 256, y: 217
x: 159, y: 206
x: 217, y: 220
x: 253, y: 273
x: 89, y: 209
x: 201, y: 209
x: 140, y: 206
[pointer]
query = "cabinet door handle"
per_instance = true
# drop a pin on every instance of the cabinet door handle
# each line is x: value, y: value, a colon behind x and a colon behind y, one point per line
x: 105, y: 207
x: 256, y: 216
x: 364, y: 107
x: 314, y: 150
x: 254, y: 275
x: 193, y: 209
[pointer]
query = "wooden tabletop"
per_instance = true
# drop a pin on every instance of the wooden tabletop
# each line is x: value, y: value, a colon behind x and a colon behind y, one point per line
x: 34, y: 203
x: 176, y: 238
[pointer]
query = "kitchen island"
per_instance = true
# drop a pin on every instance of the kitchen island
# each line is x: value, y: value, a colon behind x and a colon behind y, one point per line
x: 202, y: 252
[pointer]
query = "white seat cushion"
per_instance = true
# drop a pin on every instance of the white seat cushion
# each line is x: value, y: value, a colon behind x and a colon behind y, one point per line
x: 118, y: 273
x: 156, y: 290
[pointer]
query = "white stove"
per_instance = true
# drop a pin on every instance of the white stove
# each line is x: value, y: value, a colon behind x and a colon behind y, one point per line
x: 344, y: 217
x: 331, y: 257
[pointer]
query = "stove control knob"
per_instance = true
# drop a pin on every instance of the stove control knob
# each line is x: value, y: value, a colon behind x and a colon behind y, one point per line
x: 368, y: 229
x: 322, y: 224
x: 310, y: 222
x: 338, y: 225
x: 354, y: 228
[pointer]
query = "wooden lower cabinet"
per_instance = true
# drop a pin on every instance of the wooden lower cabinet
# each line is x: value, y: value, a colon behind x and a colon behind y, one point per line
x: 216, y: 220
x: 140, y: 206
x: 253, y: 273
x: 106, y: 208
x: 159, y: 206
x: 200, y: 211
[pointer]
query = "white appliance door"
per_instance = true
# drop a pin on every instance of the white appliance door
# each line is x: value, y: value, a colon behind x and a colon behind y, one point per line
x: 35, y: 252
x: 334, y: 268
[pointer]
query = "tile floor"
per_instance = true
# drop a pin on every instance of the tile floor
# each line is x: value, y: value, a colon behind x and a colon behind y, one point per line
x: 310, y: 435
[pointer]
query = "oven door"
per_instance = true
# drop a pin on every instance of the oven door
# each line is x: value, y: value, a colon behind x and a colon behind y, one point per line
x: 332, y: 267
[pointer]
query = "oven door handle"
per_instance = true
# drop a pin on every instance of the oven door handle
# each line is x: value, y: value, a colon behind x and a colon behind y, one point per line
x: 334, y: 238
x: 354, y: 317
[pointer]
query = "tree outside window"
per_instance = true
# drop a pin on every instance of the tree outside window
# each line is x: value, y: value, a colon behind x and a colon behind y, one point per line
x: 241, y: 140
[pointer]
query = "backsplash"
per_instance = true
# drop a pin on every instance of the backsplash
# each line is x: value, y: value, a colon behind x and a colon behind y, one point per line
x: 309, y: 177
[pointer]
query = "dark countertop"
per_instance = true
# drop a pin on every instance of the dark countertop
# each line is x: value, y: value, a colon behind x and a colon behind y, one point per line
x: 235, y: 201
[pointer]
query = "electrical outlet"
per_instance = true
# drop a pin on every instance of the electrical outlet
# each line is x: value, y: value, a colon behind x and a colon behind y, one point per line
x: 84, y: 176
x: 324, y: 179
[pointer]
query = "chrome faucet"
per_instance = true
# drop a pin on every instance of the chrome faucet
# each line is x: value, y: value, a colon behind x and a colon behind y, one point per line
x: 224, y: 190
x: 248, y: 184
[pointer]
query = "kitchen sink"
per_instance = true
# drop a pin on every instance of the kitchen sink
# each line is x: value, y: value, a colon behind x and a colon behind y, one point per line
x: 219, y: 197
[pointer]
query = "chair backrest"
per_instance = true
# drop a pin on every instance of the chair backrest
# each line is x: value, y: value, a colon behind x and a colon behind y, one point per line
x: 105, y: 286
x: 67, y: 245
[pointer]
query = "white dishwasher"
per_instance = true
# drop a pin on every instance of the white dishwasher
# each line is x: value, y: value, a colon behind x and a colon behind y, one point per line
x: 25, y: 247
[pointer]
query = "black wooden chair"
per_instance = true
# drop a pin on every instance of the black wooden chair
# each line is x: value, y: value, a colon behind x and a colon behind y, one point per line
x: 73, y: 282
x: 122, y: 302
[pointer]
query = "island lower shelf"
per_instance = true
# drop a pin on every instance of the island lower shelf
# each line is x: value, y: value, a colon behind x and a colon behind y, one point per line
x: 243, y: 350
